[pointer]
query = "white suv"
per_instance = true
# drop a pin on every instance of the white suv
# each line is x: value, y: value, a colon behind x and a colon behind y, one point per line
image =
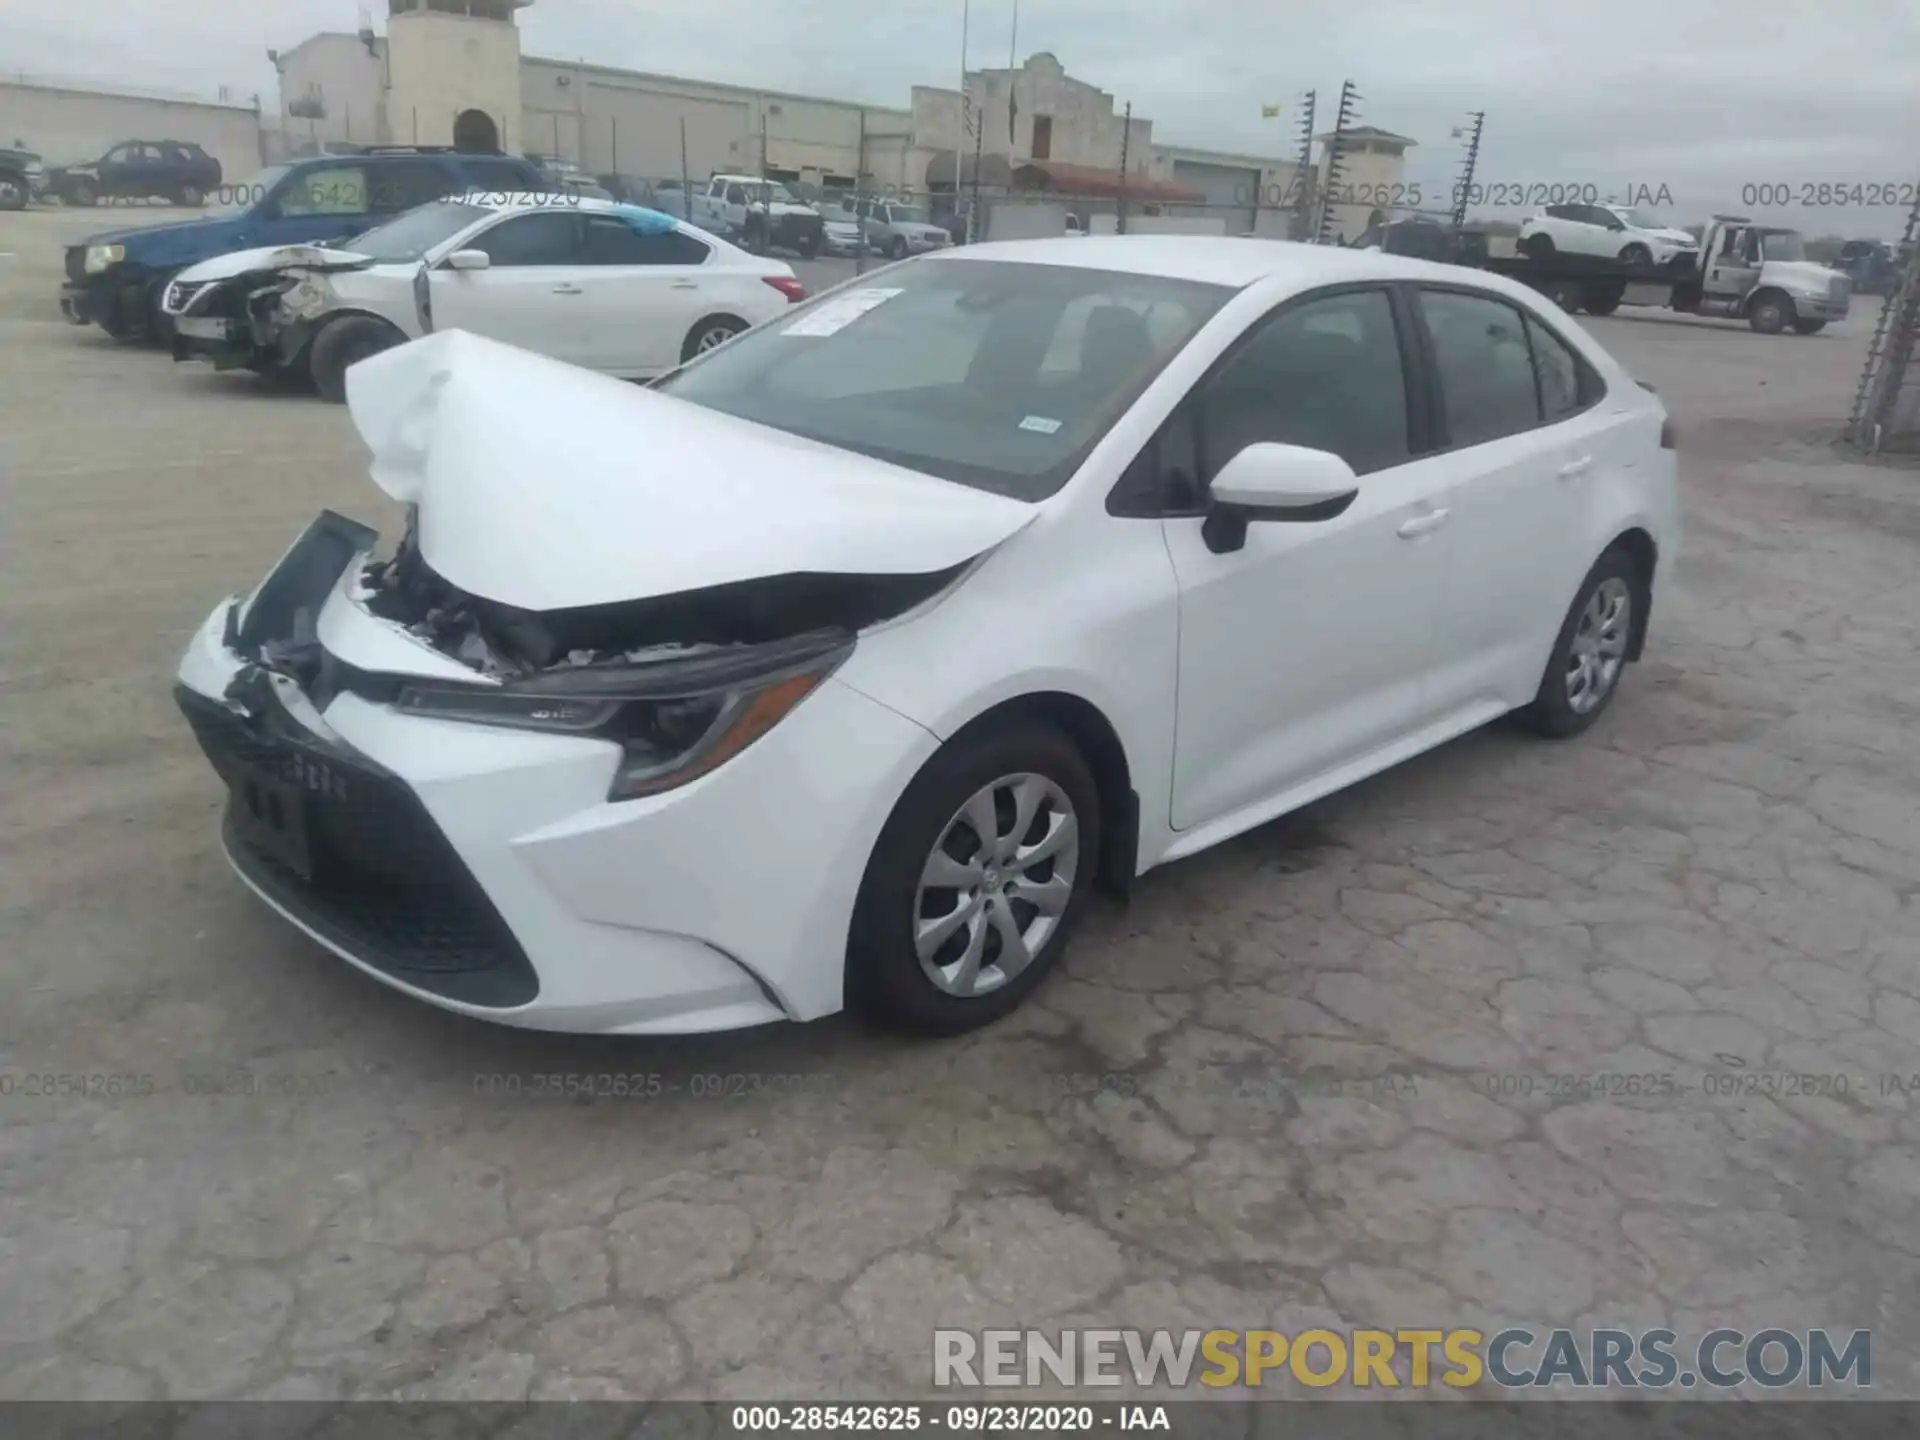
x: 1615, y: 231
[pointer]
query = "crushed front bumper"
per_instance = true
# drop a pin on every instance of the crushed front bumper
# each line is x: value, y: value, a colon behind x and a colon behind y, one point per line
x: 484, y: 871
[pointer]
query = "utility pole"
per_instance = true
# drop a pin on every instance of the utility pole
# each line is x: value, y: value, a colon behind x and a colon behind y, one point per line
x: 1343, y: 121
x: 1464, y: 190
x: 686, y: 180
x: 1120, y: 205
x: 973, y: 206
x: 763, y: 137
x: 1303, y: 170
x: 859, y: 191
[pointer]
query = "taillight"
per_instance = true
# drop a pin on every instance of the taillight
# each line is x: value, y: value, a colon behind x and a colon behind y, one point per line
x: 787, y: 286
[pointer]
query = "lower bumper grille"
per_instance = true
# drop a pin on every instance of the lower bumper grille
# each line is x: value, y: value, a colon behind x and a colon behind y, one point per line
x: 348, y: 849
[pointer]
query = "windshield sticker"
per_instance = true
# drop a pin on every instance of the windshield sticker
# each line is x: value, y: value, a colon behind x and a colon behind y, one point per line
x: 830, y: 317
x: 1040, y: 424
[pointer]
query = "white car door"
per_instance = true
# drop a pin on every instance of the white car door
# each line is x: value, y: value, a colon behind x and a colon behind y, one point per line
x: 1522, y: 456
x: 1308, y: 647
x: 651, y: 285
x: 535, y: 292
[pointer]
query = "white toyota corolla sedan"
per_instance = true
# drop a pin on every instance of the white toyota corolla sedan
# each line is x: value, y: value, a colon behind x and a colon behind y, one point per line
x: 841, y: 666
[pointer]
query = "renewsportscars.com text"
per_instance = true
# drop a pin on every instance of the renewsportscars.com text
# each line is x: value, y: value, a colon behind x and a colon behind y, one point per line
x: 1390, y: 1359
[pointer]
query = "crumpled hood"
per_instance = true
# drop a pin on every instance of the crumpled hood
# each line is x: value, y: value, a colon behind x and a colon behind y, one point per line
x: 274, y: 257
x: 544, y: 486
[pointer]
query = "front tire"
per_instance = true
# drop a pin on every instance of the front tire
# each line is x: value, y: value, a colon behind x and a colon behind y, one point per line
x: 1770, y: 313
x: 192, y: 196
x: 343, y: 344
x: 81, y: 192
x: 1590, y: 653
x: 1636, y: 254
x: 975, y: 882
x: 13, y: 193
x: 1808, y: 327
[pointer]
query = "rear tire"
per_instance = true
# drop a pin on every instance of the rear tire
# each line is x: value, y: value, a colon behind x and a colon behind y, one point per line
x: 887, y: 980
x: 898, y: 249
x: 1537, y: 247
x: 191, y: 196
x: 13, y: 193
x: 342, y: 344
x: 1808, y: 327
x: 710, y: 334
x: 81, y: 192
x: 1602, y: 297
x: 1599, y: 629
x: 1564, y: 293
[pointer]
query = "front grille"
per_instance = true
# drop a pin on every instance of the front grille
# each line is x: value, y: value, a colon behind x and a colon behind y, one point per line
x: 77, y: 263
x: 382, y: 882
x: 1838, y: 288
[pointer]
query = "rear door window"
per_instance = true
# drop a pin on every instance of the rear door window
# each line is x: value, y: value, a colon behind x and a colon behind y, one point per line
x: 1484, y: 366
x: 546, y: 237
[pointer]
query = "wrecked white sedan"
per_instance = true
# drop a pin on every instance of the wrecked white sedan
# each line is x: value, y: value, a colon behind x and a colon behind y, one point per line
x: 611, y: 287
x: 838, y: 667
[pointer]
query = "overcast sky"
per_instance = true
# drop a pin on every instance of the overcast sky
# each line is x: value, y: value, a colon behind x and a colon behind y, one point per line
x: 1696, y: 98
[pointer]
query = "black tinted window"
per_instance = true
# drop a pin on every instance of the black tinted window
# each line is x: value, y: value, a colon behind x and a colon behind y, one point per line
x: 1325, y: 374
x: 612, y: 241
x: 497, y: 175
x: 1486, y: 370
x: 405, y: 185
x: 1565, y: 386
x: 545, y: 238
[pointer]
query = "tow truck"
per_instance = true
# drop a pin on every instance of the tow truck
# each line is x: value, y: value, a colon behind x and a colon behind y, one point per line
x: 1746, y: 271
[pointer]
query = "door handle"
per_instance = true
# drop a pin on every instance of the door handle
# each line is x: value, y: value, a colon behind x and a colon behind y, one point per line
x: 1574, y: 469
x: 1422, y: 524
x: 568, y: 290
x: 686, y: 285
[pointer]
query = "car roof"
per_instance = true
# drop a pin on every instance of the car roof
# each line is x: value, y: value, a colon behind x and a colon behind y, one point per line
x: 1222, y: 260
x: 546, y: 200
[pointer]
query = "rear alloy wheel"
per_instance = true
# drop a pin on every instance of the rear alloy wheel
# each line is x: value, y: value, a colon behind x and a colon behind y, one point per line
x: 343, y: 344
x: 710, y: 334
x: 1583, y: 673
x: 975, y: 882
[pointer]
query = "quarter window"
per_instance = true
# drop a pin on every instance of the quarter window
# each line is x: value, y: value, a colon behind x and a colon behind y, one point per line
x: 1563, y: 387
x: 1485, y: 368
x: 1325, y: 374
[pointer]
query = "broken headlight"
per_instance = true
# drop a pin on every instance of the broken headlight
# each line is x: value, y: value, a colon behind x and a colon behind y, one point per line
x: 674, y: 721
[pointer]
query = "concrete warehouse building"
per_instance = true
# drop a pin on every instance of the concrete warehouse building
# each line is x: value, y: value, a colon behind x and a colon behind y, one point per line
x: 451, y: 72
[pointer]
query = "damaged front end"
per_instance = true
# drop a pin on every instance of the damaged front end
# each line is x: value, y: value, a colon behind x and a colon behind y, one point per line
x: 259, y: 317
x: 680, y: 683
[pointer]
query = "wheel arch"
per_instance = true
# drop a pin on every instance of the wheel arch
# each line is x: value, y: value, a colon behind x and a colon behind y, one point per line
x: 1099, y: 743
x: 315, y: 327
x: 1746, y: 306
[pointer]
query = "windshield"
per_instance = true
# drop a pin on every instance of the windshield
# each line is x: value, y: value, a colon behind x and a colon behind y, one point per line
x: 410, y: 236
x: 1644, y: 219
x: 232, y: 199
x: 907, y: 214
x: 773, y: 192
x: 992, y: 374
x: 1782, y: 245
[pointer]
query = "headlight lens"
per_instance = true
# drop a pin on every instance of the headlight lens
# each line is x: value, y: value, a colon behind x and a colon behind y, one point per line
x: 674, y: 721
x: 102, y: 257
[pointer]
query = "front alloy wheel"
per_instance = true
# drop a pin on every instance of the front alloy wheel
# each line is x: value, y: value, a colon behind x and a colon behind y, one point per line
x: 996, y: 884
x: 976, y: 880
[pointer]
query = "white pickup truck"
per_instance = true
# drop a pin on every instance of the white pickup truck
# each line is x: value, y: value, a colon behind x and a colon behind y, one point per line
x: 759, y: 214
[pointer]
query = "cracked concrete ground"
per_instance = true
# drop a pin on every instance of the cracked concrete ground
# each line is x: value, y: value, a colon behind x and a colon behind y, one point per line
x: 1306, y: 1078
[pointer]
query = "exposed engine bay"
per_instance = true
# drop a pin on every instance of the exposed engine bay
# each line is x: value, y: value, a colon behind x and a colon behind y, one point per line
x: 508, y: 643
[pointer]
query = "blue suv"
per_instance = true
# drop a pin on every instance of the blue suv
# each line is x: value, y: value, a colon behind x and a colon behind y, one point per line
x: 115, y: 279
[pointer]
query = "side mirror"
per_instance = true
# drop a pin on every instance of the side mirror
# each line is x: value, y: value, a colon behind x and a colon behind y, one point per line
x: 469, y: 260
x: 1272, y: 482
